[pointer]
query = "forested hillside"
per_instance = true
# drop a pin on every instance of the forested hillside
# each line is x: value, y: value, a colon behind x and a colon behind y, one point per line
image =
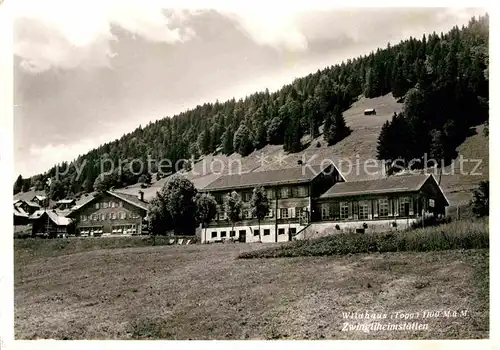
x: 443, y: 79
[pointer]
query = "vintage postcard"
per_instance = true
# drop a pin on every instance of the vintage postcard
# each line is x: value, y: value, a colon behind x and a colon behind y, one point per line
x: 245, y: 172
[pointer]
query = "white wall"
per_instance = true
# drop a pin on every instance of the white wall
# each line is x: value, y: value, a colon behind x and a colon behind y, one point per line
x: 271, y: 238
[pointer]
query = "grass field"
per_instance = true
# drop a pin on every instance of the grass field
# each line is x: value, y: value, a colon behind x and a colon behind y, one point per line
x: 461, y: 234
x: 205, y: 292
x: 29, y: 248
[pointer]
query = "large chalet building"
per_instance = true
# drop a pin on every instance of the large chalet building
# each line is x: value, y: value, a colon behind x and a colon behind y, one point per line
x: 313, y: 196
x: 291, y: 193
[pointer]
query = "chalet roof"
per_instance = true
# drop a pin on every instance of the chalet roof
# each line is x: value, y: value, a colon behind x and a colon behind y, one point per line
x: 65, y: 201
x: 131, y: 199
x: 20, y: 212
x: 84, y: 199
x: 64, y: 212
x: 57, y: 219
x: 298, y: 174
x: 391, y: 184
x: 32, y: 204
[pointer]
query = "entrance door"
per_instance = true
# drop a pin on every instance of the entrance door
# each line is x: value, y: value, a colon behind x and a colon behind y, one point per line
x: 407, y: 209
x: 242, y: 237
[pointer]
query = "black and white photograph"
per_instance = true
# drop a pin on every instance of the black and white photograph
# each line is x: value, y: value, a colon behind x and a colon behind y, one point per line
x: 249, y: 171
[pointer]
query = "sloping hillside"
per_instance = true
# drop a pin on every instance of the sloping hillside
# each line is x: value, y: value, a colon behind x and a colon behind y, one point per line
x: 461, y: 177
x: 359, y: 146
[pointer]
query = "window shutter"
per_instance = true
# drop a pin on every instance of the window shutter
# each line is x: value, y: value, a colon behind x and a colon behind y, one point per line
x: 411, y: 205
x: 396, y: 207
x: 355, y: 209
x: 349, y: 210
x: 291, y: 212
x: 375, y: 208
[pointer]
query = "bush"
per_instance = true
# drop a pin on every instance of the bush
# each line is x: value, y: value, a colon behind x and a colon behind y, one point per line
x: 455, y: 235
x: 481, y: 200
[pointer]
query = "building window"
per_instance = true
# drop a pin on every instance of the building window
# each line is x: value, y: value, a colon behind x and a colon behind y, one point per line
x: 223, y: 234
x: 270, y: 193
x: 405, y: 206
x: 256, y: 232
x: 363, y: 210
x: 97, y: 205
x: 247, y: 214
x: 281, y: 231
x: 222, y: 215
x: 383, y: 207
x: 103, y: 217
x: 113, y: 216
x: 284, y: 192
x: 431, y: 203
x: 270, y: 213
x: 214, y: 234
x: 83, y: 218
x: 120, y: 204
x: 267, y: 232
x: 246, y: 196
x: 292, y: 230
x: 284, y: 213
x: 241, y: 233
x: 104, y: 205
x: 217, y: 197
x: 122, y: 215
x: 344, y: 210
x: 232, y: 233
x: 325, y: 211
x: 302, y: 191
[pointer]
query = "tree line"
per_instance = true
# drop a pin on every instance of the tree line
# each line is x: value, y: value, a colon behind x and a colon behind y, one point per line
x: 448, y: 95
x: 442, y: 78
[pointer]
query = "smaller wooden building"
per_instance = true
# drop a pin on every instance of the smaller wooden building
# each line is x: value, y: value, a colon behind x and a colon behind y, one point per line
x: 47, y: 222
x: 378, y: 205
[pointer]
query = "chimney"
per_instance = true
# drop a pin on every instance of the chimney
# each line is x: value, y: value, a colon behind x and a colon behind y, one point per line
x: 141, y: 196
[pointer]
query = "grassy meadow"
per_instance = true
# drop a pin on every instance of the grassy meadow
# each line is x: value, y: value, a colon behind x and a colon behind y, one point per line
x: 470, y: 234
x: 206, y: 292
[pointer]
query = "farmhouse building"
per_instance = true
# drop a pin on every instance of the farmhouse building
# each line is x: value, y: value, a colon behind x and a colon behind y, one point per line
x: 291, y: 193
x: 109, y: 213
x: 46, y: 221
x: 42, y: 201
x: 21, y: 217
